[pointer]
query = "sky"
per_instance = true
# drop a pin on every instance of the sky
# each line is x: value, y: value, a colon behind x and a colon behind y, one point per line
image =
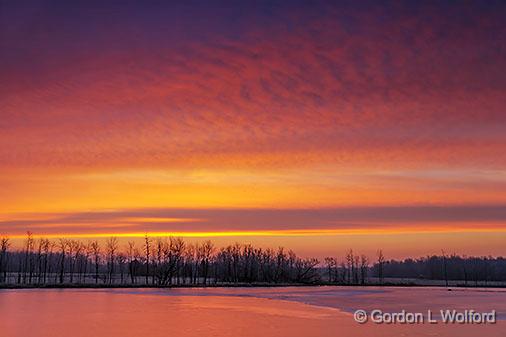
x: 321, y: 126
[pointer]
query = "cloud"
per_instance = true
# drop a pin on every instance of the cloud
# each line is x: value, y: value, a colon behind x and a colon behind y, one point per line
x: 330, y: 220
x: 400, y: 86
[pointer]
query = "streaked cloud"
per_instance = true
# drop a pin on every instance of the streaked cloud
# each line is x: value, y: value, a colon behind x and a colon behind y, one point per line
x: 233, y: 222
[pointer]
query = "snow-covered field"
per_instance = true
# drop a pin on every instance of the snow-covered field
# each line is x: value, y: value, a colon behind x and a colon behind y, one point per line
x: 263, y: 312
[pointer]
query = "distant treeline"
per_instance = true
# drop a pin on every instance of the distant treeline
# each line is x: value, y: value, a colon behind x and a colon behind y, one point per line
x: 170, y: 261
x: 461, y: 270
x: 470, y: 270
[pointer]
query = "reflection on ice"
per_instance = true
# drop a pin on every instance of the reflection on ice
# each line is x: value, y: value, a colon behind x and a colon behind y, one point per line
x: 264, y: 312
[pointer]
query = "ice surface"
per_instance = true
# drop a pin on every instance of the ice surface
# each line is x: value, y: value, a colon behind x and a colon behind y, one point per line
x: 262, y: 312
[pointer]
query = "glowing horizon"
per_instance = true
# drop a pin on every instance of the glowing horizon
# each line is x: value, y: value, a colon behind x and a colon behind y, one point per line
x: 308, y: 232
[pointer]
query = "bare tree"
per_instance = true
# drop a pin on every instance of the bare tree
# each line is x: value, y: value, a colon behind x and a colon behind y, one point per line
x: 381, y: 261
x: 189, y: 263
x: 306, y: 272
x: 121, y: 258
x: 445, y: 270
x: 131, y: 257
x: 147, y: 250
x: 87, y: 251
x: 42, y: 252
x: 331, y: 264
x: 350, y: 262
x: 206, y: 252
x: 4, y: 247
x: 356, y: 276
x: 95, y: 248
x: 28, y: 261
x: 111, y: 246
x: 62, y: 245
x: 364, y: 265
x: 74, y: 251
x: 177, y: 248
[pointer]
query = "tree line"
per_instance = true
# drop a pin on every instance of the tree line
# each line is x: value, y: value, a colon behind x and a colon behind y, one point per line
x: 468, y: 271
x: 164, y: 261
x: 170, y: 261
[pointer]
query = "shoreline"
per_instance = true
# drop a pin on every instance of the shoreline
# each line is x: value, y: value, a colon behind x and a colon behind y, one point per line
x: 240, y: 285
